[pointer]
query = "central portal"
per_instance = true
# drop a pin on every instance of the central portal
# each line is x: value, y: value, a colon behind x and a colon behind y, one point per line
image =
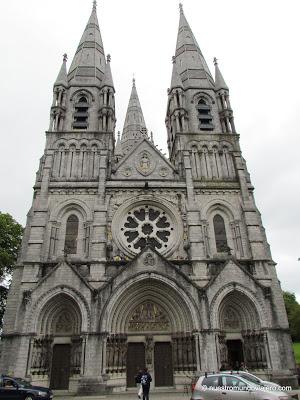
x: 159, y: 356
x: 150, y: 327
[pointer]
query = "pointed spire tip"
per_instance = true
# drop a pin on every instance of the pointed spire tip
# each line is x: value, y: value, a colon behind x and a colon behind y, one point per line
x: 94, y: 5
x: 108, y: 58
x: 65, y: 57
x: 181, y: 8
x: 215, y: 61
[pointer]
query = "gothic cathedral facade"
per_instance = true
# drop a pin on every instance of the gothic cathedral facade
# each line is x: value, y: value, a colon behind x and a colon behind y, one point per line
x: 130, y: 259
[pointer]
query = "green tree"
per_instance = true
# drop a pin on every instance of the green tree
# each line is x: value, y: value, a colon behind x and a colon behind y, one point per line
x: 10, y: 242
x: 293, y: 313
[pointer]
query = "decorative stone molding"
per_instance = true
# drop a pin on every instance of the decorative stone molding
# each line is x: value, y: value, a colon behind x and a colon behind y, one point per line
x: 145, y: 164
x: 138, y: 223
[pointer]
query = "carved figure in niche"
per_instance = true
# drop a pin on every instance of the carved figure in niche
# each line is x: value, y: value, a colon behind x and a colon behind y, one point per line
x: 64, y: 323
x: 148, y: 317
x: 145, y: 162
x: 149, y: 349
x: 149, y: 259
x: 231, y: 320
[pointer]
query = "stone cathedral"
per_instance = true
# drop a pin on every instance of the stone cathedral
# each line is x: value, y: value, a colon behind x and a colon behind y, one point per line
x: 132, y: 259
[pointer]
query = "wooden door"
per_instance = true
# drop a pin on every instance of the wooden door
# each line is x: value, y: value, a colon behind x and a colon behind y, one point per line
x: 163, y: 365
x: 60, y: 371
x: 235, y: 353
x: 135, y: 361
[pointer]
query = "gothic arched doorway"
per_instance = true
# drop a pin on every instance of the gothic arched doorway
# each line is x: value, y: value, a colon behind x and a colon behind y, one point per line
x: 146, y: 324
x: 241, y: 339
x: 58, y: 347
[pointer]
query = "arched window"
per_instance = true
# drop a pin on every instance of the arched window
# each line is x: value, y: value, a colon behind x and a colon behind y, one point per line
x: 81, y: 114
x: 71, y: 234
x: 220, y: 234
x: 204, y: 116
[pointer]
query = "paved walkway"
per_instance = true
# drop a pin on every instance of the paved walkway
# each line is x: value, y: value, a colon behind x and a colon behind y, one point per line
x: 132, y: 396
x: 129, y: 396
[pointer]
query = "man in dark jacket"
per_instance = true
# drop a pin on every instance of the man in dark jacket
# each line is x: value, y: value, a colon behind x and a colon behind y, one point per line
x: 145, y: 381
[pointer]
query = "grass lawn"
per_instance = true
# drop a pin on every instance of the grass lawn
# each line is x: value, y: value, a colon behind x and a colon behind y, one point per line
x: 296, y: 347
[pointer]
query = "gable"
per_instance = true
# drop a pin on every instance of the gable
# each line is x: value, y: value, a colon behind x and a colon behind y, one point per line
x: 63, y: 274
x: 144, y: 161
x: 150, y: 261
x: 233, y: 272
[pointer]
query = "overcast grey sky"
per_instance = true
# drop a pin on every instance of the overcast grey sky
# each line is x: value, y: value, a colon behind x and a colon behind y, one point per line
x: 256, y: 42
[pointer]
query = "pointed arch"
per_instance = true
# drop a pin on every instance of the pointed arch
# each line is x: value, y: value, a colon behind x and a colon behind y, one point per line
x: 61, y: 315
x: 236, y: 291
x: 178, y: 309
x: 220, y: 233
x: 36, y: 315
x: 71, y: 235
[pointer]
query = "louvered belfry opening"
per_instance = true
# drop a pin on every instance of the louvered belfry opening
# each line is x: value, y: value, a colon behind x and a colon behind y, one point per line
x: 81, y: 114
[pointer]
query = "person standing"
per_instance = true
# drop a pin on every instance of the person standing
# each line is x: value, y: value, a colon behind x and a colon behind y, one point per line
x: 137, y: 379
x: 145, y: 381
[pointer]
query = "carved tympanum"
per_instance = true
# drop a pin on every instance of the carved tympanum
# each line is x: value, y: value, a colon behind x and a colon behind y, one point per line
x: 231, y: 320
x: 148, y: 317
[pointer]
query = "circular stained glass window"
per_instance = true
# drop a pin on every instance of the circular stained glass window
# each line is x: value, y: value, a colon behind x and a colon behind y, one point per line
x: 147, y: 225
x: 147, y: 222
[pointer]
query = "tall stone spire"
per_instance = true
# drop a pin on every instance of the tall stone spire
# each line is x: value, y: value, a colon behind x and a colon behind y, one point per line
x: 134, y: 125
x: 176, y: 81
x: 118, y: 147
x: 223, y: 100
x: 219, y: 80
x: 62, y: 79
x: 190, y: 62
x: 108, y: 80
x: 107, y: 117
x: 88, y: 65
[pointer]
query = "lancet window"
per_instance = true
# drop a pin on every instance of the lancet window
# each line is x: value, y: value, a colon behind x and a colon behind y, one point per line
x: 220, y: 234
x: 71, y: 234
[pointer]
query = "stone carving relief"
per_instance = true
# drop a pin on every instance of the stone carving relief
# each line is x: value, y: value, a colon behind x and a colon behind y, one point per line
x: 149, y: 260
x: 231, y: 319
x: 64, y: 323
x: 149, y: 350
x: 41, y: 355
x: 116, y: 348
x: 127, y: 171
x: 163, y: 172
x: 148, y: 317
x: 145, y: 164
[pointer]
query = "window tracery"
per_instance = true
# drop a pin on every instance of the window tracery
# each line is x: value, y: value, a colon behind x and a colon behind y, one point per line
x: 220, y: 234
x: 147, y: 225
x: 71, y: 234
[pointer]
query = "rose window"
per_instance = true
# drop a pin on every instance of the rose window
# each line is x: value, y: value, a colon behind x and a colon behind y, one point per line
x: 147, y: 225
